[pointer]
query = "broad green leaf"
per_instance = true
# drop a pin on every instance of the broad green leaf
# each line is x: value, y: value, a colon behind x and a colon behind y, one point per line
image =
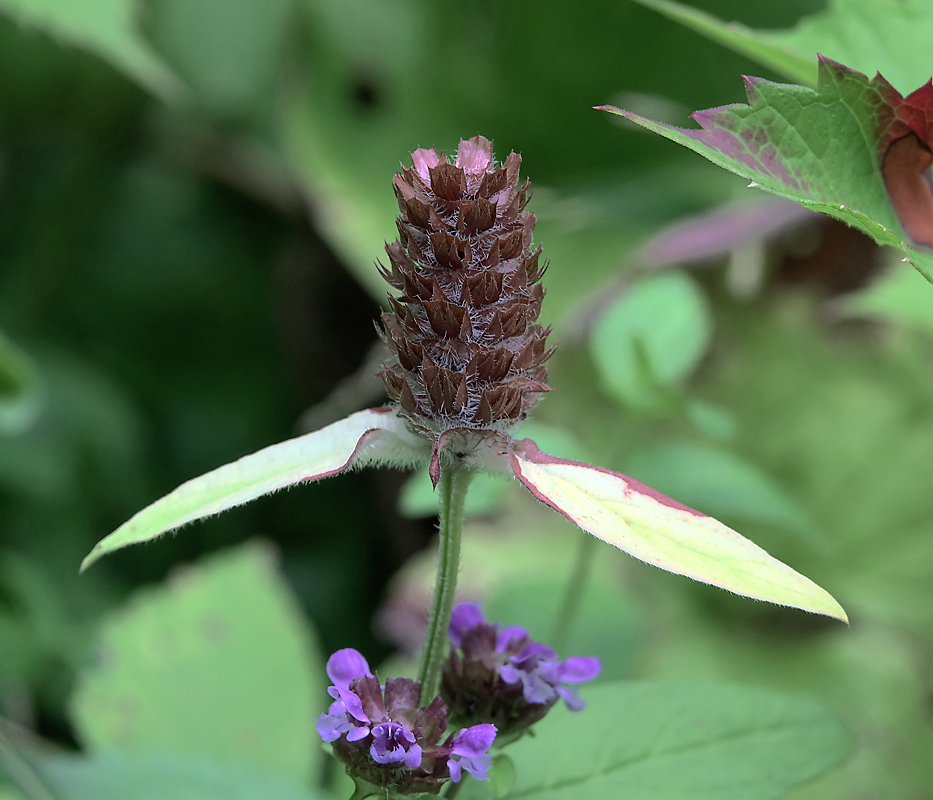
x: 670, y: 741
x: 887, y: 36
x: 217, y: 663
x: 367, y: 437
x: 652, y: 337
x: 104, y: 27
x: 160, y: 776
x: 823, y: 148
x: 20, y: 389
x: 660, y: 531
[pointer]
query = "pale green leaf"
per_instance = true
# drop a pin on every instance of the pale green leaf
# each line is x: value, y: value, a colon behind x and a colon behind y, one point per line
x: 662, y: 532
x: 160, y: 776
x: 367, y: 437
x: 217, y: 663
x: 669, y: 741
x: 104, y: 27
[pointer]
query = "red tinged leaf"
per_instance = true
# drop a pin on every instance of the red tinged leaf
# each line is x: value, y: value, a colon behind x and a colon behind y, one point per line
x: 374, y: 436
x: 906, y: 175
x: 854, y: 148
x: 660, y: 531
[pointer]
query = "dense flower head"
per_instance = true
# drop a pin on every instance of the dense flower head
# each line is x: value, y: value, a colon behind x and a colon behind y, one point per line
x: 500, y: 675
x: 385, y: 738
x: 466, y: 350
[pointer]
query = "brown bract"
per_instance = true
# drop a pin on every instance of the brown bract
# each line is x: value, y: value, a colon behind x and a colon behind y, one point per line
x: 466, y: 349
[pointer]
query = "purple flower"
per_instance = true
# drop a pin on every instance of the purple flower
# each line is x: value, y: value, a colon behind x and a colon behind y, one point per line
x: 384, y: 737
x: 541, y: 675
x: 393, y: 743
x: 501, y: 676
x: 345, y: 715
x: 469, y: 752
x: 464, y: 617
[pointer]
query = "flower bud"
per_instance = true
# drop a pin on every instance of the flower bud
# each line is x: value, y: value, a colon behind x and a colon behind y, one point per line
x: 466, y: 350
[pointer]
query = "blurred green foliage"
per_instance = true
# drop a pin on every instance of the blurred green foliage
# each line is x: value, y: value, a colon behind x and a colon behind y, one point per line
x: 191, y: 201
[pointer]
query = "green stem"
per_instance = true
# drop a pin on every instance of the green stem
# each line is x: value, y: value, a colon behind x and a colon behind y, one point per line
x: 455, y: 479
x: 573, y: 594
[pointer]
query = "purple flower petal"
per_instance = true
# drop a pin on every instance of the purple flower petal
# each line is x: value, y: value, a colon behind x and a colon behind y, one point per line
x: 478, y: 766
x: 510, y: 674
x: 537, y: 690
x: 393, y: 743
x: 474, y: 741
x: 571, y: 697
x: 346, y: 665
x: 512, y: 633
x: 358, y: 732
x: 334, y: 723
x: 463, y: 617
x: 469, y: 752
x: 537, y: 650
x: 352, y: 704
x: 579, y: 668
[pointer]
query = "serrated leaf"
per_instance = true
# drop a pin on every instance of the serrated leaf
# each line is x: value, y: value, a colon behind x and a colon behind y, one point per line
x: 367, y: 437
x: 160, y: 776
x: 104, y: 27
x: 838, y: 149
x: 660, y: 531
x: 668, y: 741
x: 217, y: 663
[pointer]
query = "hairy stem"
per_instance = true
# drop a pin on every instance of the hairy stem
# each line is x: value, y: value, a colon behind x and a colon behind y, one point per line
x: 573, y: 594
x: 452, y: 487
